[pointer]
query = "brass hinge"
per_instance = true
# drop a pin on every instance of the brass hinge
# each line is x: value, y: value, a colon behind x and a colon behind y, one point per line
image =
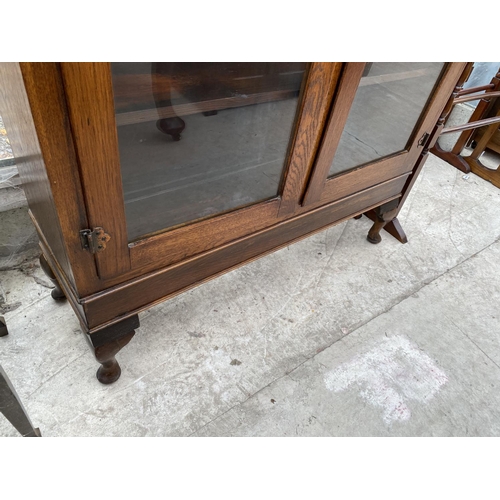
x: 94, y: 240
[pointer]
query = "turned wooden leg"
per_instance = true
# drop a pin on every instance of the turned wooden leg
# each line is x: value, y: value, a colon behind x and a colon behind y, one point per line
x: 172, y: 126
x: 374, y: 233
x: 384, y: 217
x: 393, y: 227
x: 57, y: 293
x: 106, y: 343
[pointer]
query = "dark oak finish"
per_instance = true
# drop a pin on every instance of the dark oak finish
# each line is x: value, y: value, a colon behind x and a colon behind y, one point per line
x: 78, y: 184
x: 137, y: 294
x: 107, y: 342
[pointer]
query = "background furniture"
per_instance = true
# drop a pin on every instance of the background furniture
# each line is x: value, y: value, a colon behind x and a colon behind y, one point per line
x: 10, y: 404
x: 146, y: 179
x: 481, y: 131
x: 13, y: 410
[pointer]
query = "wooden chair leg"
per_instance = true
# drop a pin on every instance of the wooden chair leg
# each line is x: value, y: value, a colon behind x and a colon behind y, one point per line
x: 473, y: 160
x: 453, y: 159
x: 13, y: 410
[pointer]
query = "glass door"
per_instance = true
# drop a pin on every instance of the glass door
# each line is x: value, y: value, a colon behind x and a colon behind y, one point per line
x: 197, y: 140
x: 180, y: 158
x: 378, y: 126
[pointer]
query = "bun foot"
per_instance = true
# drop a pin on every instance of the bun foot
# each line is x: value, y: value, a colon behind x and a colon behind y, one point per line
x: 109, y: 372
x: 374, y: 233
x: 172, y: 126
x: 57, y: 294
x: 375, y: 239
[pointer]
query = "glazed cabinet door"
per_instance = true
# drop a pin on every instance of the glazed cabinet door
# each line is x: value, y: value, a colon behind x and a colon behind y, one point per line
x: 382, y: 118
x: 180, y: 158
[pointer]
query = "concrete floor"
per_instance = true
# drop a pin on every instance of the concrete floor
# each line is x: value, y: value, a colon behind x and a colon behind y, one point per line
x: 331, y: 336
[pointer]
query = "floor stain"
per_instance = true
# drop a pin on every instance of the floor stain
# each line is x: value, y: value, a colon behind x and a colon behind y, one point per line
x: 196, y: 335
x: 389, y: 376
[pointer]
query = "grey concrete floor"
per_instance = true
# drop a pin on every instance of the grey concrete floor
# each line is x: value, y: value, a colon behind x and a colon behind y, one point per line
x: 331, y: 336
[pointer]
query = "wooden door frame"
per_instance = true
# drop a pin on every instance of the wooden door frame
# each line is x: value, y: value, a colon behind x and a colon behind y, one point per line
x: 323, y: 189
x: 88, y: 90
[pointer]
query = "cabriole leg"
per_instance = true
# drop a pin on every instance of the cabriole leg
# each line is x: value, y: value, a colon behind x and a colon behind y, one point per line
x: 106, y: 343
x: 57, y: 293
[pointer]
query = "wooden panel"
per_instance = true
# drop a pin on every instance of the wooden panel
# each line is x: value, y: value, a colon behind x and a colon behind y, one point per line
x: 47, y: 164
x: 173, y: 246
x: 348, y: 87
x: 321, y: 83
x: 353, y: 181
x: 124, y: 300
x: 88, y: 88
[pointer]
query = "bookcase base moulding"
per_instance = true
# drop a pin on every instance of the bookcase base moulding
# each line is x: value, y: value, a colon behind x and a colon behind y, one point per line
x: 147, y: 179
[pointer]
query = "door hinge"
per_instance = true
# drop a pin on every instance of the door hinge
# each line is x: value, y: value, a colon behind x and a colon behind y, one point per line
x: 94, y: 240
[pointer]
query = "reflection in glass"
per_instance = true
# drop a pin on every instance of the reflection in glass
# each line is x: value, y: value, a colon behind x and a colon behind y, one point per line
x: 199, y: 139
x: 388, y: 103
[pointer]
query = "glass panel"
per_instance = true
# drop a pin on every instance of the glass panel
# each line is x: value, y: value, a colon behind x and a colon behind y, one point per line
x: 388, y: 103
x: 199, y: 139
